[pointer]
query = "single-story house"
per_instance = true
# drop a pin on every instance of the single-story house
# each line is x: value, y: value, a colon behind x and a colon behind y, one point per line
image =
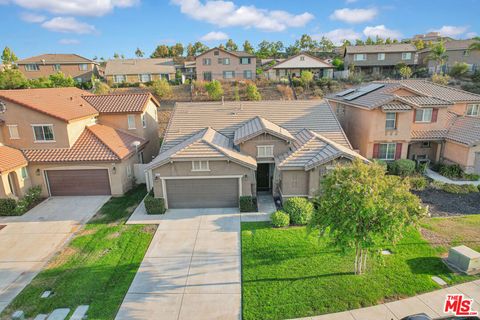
x: 139, y: 70
x: 294, y: 66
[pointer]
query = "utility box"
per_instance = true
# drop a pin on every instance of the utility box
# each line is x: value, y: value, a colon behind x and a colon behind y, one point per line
x: 464, y: 259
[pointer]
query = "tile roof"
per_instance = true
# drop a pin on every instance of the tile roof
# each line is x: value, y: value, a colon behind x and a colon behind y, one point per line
x: 65, y: 104
x: 60, y: 58
x: 396, y: 106
x: 465, y: 130
x: 235, y: 53
x: 96, y: 143
x: 294, y: 116
x: 257, y: 126
x: 429, y: 134
x: 120, y: 103
x: 454, y: 45
x: 427, y: 101
x: 399, y: 47
x: 311, y: 150
x: 11, y: 158
x: 206, y: 144
x: 139, y: 66
x: 313, y: 62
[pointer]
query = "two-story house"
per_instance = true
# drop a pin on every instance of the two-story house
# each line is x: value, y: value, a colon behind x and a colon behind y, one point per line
x: 379, y: 59
x: 220, y: 64
x: 71, y: 142
x: 79, y: 68
x: 414, y: 119
x: 139, y: 70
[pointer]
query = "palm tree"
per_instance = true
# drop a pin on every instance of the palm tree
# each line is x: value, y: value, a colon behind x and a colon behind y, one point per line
x: 475, y: 45
x: 438, y: 53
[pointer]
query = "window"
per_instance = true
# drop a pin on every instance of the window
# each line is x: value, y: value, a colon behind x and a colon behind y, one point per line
x: 78, y: 79
x: 13, y: 131
x: 145, y: 77
x: 119, y: 78
x: 216, y: 53
x: 131, y: 121
x: 57, y: 67
x: 426, y: 144
x: 466, y: 53
x: 200, y: 166
x: 207, y: 76
x: 144, y: 120
x: 472, y: 109
x: 247, y: 74
x: 207, y: 61
x: 302, y: 58
x: 228, y: 74
x: 24, y: 173
x: 264, y: 151
x: 32, y: 67
x: 226, y: 61
x: 244, y: 60
x: 164, y: 76
x: 43, y: 133
x: 83, y: 66
x: 140, y: 157
x: 423, y: 115
x: 391, y: 119
x: 381, y: 56
x: 360, y: 57
x: 406, y: 55
x: 386, y: 151
x: 220, y: 60
x: 129, y: 171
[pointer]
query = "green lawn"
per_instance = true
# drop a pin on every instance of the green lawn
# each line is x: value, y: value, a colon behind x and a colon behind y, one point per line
x: 288, y: 273
x: 96, y: 268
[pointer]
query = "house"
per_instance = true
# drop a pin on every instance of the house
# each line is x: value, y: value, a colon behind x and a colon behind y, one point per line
x: 186, y: 66
x: 139, y: 70
x: 71, y: 142
x: 414, y: 119
x: 213, y: 153
x: 294, y: 66
x: 430, y: 37
x: 220, y: 64
x: 379, y: 59
x: 79, y: 68
x: 457, y: 51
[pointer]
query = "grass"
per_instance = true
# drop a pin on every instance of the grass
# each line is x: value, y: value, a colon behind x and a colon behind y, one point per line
x: 288, y: 273
x: 96, y: 268
x: 454, y: 231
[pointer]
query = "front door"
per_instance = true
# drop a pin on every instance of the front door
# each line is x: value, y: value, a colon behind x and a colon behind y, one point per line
x: 263, y: 177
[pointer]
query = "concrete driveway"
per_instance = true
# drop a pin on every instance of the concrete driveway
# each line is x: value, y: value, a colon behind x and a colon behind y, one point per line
x: 29, y: 241
x: 192, y: 268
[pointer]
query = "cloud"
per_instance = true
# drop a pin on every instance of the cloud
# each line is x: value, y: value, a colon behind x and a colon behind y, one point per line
x: 451, y: 31
x: 381, y: 31
x: 354, y: 15
x: 75, y: 7
x: 338, y: 35
x: 32, y: 17
x: 469, y: 35
x: 227, y: 14
x: 350, y: 1
x: 214, y: 36
x: 68, y: 25
x: 69, y: 41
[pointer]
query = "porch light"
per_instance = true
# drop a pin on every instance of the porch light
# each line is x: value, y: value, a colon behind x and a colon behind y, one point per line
x: 114, y: 169
x: 37, y: 172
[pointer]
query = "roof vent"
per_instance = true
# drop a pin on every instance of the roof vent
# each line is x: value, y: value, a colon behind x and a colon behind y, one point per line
x: 71, y: 98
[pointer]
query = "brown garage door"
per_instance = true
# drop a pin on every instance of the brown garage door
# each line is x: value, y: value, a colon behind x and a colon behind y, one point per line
x: 78, y: 182
x: 202, y: 193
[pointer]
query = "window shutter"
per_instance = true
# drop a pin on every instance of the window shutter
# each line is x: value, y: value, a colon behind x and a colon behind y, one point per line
x: 414, y: 114
x: 434, y: 114
x: 376, y: 148
x: 398, y: 151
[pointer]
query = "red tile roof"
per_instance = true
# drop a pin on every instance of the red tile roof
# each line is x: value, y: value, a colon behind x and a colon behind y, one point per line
x: 120, y: 103
x: 11, y: 158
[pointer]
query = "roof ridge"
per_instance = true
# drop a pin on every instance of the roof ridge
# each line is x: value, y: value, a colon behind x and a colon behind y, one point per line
x: 293, y: 152
x: 100, y: 140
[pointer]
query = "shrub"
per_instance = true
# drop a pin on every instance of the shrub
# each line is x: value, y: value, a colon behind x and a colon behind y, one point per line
x: 252, y: 93
x: 318, y: 93
x: 286, y: 91
x: 403, y: 167
x: 307, y: 78
x: 440, y: 79
x: 450, y: 171
x: 459, y: 69
x: 297, y: 82
x: 459, y: 189
x: 248, y: 204
x: 154, y: 205
x: 300, y: 210
x: 214, y: 90
x: 236, y: 93
x: 471, y: 176
x: 101, y: 87
x: 405, y: 72
x: 33, y: 196
x: 162, y: 88
x: 7, y: 207
x: 280, y: 219
x: 418, y: 183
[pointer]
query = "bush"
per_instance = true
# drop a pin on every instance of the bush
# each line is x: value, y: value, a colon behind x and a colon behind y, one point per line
x: 402, y: 167
x: 7, y: 207
x: 307, y: 78
x: 162, y: 88
x: 248, y: 204
x: 154, y: 205
x: 33, y: 196
x: 300, y: 210
x: 440, y: 79
x: 459, y: 69
x: 214, y: 90
x: 459, y: 189
x: 297, y: 82
x: 450, y: 171
x: 280, y: 219
x: 286, y: 92
x: 252, y: 93
x: 418, y: 183
x: 318, y: 93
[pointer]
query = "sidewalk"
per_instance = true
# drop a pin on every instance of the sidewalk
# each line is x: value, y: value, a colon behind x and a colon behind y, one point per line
x: 430, y: 303
x: 438, y: 177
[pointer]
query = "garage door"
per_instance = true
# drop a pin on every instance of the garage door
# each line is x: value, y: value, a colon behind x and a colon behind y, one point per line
x: 202, y: 193
x: 78, y: 182
x: 477, y: 163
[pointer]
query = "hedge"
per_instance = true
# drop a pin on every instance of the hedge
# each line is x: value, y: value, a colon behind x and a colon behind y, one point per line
x: 154, y: 205
x: 7, y: 207
x: 300, y: 210
x: 248, y: 204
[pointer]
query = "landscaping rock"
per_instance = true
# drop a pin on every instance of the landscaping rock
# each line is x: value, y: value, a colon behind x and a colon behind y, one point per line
x: 18, y: 315
x: 80, y: 313
x: 439, y: 281
x: 386, y: 252
x: 41, y: 317
x: 46, y: 294
x: 59, y: 314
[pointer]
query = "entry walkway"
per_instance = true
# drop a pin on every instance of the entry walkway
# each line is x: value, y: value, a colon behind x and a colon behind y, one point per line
x: 438, y: 177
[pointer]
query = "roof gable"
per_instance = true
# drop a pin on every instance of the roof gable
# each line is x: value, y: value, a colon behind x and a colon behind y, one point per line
x: 238, y: 54
x: 257, y: 126
x: 11, y: 158
x: 121, y: 103
x: 139, y: 66
x: 396, y: 47
x: 56, y: 58
x: 302, y: 60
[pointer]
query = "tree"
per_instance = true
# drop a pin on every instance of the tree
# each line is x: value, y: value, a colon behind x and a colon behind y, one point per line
x: 59, y: 80
x: 116, y: 56
x: 292, y: 50
x: 214, y: 90
x: 221, y: 46
x: 326, y: 44
x: 231, y: 45
x: 252, y: 92
x: 475, y: 45
x: 176, y: 50
x: 395, y: 41
x: 195, y: 49
x: 338, y: 63
x: 306, y: 43
x: 247, y: 47
x: 276, y: 48
x: 379, y: 40
x: 8, y: 57
x: 263, y: 50
x: 161, y: 51
x: 162, y: 88
x: 388, y: 41
x: 346, y: 43
x: 307, y: 78
x: 359, y: 42
x: 419, y: 44
x: 100, y: 87
x: 12, y: 79
x: 369, y: 41
x: 438, y: 54
x: 458, y: 70
x: 139, y: 53
x: 360, y: 207
x: 405, y: 72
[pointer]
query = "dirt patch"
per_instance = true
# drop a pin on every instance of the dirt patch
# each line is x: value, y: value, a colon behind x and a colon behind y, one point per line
x: 113, y: 235
x: 444, y: 204
x: 149, y: 228
x: 434, y: 238
x: 62, y: 257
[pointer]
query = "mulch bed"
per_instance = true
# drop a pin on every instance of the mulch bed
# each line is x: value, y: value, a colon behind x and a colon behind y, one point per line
x: 444, y: 204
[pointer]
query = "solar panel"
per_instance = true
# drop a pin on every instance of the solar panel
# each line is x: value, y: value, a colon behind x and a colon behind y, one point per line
x: 345, y: 92
x: 362, y: 91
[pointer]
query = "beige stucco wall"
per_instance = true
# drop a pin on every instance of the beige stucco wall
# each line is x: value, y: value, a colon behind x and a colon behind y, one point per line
x: 433, y: 152
x: 23, y: 184
x: 217, y: 69
x: 461, y: 154
x: 72, y: 70
x: 249, y: 147
x: 135, y: 78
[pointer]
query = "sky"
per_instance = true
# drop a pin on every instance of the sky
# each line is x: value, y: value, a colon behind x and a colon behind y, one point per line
x: 104, y: 27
